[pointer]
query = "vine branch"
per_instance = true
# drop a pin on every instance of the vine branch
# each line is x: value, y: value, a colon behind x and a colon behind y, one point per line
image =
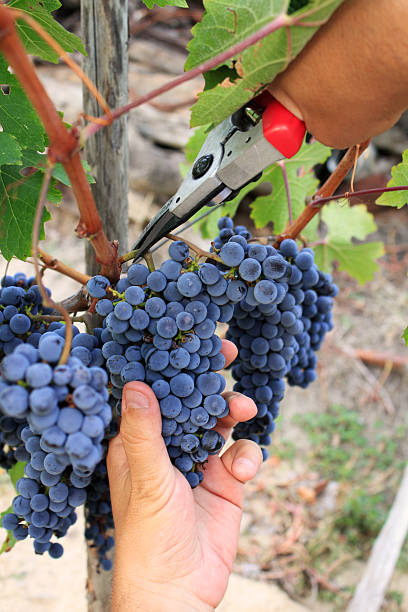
x: 348, y: 195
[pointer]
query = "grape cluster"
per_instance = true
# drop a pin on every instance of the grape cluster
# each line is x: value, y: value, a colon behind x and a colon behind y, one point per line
x: 159, y: 327
x: 55, y: 418
x: 20, y: 302
x: 278, y: 325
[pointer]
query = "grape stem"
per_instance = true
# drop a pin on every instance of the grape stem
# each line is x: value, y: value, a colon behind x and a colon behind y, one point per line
x: 196, y: 249
x: 149, y: 261
x: 47, y: 301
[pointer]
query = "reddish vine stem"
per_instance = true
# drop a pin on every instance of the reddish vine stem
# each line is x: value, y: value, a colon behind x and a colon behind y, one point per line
x: 348, y: 195
x: 47, y: 301
x: 324, y: 193
x: 55, y: 264
x: 64, y: 146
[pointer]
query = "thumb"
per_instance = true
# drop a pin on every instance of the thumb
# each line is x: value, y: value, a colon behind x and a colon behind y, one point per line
x: 140, y: 431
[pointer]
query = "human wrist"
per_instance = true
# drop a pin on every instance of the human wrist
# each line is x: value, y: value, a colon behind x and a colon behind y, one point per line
x: 145, y: 596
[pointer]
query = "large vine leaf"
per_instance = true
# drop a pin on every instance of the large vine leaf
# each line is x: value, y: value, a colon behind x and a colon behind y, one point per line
x: 16, y: 472
x: 151, y: 3
x: 344, y: 223
x: 226, y: 23
x: 41, y: 11
x: 18, y: 202
x: 399, y: 175
x: 302, y: 183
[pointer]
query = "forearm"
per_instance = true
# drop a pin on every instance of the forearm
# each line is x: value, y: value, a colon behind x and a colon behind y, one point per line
x: 350, y: 82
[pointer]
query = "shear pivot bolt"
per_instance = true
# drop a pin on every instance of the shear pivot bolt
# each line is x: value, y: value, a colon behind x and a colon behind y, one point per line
x: 202, y: 166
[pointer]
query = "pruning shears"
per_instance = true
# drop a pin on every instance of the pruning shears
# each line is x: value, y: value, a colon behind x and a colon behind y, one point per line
x: 235, y: 153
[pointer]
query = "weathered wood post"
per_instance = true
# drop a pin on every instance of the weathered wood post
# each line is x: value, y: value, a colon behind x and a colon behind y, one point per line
x: 105, y: 35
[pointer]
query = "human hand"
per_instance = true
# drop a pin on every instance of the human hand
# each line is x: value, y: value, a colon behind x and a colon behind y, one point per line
x: 349, y: 82
x: 174, y: 546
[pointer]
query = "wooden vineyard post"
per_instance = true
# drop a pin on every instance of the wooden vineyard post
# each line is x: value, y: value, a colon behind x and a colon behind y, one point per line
x: 105, y: 36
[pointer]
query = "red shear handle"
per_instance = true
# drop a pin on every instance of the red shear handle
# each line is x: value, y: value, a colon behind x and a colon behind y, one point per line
x: 281, y: 127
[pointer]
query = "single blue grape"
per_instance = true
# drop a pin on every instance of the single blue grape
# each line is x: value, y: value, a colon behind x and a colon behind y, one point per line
x: 137, y: 274
x: 178, y: 250
x: 189, y: 284
x: 250, y: 269
x: 97, y: 286
x: 232, y: 254
x: 156, y: 281
x: 182, y: 385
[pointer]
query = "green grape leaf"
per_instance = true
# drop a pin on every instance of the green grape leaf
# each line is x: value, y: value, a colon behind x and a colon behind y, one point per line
x: 10, y: 150
x: 345, y: 223
x: 405, y: 335
x: 273, y: 208
x: 16, y: 472
x: 399, y: 175
x: 17, y: 116
x: 226, y: 23
x: 150, y: 3
x: 18, y: 201
x: 41, y: 11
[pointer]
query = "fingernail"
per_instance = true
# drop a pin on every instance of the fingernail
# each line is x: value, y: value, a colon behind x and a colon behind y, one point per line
x: 134, y: 399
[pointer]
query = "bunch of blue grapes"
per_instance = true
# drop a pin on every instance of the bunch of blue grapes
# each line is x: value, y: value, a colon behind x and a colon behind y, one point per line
x: 159, y: 327
x: 278, y: 325
x: 55, y: 420
x: 20, y: 302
